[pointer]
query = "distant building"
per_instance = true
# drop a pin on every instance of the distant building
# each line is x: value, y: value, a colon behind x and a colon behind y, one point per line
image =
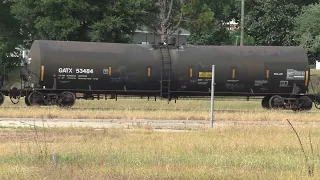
x: 317, y: 65
x: 144, y: 36
x: 232, y: 25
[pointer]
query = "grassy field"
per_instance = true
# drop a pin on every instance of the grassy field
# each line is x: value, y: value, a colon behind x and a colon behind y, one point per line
x: 222, y: 153
x: 133, y: 109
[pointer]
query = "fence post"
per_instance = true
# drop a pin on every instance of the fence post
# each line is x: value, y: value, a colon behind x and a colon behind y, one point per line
x: 212, y: 96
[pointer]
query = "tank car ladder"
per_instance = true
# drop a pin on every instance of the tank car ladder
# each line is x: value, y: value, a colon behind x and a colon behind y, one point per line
x: 166, y: 73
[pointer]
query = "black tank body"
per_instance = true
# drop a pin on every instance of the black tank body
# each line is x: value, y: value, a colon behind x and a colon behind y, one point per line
x: 115, y: 66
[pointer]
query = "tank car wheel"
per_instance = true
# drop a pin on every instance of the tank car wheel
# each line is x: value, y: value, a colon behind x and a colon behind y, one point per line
x: 1, y: 98
x: 35, y: 99
x: 304, y: 103
x: 26, y: 101
x: 67, y: 99
x: 265, y: 102
x: 276, y: 102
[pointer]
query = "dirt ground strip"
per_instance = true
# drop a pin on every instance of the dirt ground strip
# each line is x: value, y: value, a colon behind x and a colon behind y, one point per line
x: 143, y: 123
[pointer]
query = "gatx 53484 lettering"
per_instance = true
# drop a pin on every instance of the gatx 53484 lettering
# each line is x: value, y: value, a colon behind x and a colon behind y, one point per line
x: 78, y: 70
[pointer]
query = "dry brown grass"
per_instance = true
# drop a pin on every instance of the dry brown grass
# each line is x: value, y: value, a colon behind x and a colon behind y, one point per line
x: 132, y: 109
x: 54, y: 113
x: 222, y: 153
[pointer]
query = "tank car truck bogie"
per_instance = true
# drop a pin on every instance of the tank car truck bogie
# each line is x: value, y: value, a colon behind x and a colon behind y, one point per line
x: 290, y: 102
x: 304, y: 103
x: 66, y: 99
x: 35, y: 98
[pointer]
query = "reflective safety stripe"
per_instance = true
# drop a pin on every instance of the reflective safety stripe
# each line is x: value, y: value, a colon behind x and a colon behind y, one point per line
x: 307, y: 78
x: 149, y: 71
x: 190, y: 72
x: 110, y: 71
x: 233, y: 73
x: 42, y: 73
x: 267, y: 74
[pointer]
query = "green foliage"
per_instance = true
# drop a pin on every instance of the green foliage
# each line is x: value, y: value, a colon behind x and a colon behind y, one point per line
x: 223, y: 9
x: 303, y: 3
x: 10, y: 38
x: 309, y: 20
x: 119, y: 20
x: 270, y: 22
x: 205, y: 21
x: 81, y: 20
x: 235, y: 38
x: 198, y: 15
x: 307, y: 30
x: 216, y: 36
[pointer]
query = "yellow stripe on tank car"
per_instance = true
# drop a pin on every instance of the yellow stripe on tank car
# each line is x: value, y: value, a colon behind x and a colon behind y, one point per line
x: 190, y: 72
x: 149, y: 72
x: 233, y: 73
x: 110, y: 71
x: 205, y: 74
x: 307, y: 78
x: 42, y: 73
x: 267, y: 74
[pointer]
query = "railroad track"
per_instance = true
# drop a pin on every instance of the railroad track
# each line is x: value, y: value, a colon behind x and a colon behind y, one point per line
x: 111, y: 108
x: 151, y: 109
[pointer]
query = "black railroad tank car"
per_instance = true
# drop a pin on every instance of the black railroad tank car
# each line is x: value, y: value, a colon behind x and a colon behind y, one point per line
x: 64, y: 68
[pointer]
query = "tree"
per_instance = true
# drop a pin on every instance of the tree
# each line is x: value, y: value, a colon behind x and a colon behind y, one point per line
x: 270, y: 22
x: 81, y: 20
x: 10, y: 38
x: 194, y: 15
x: 307, y: 30
x: 208, y: 21
x: 118, y: 20
x: 235, y: 38
x: 198, y: 16
x: 166, y: 19
x: 302, y: 3
x: 216, y: 35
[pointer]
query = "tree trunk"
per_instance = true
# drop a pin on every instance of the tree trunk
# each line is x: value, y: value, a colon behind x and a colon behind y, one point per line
x: 164, y: 34
x: 165, y: 20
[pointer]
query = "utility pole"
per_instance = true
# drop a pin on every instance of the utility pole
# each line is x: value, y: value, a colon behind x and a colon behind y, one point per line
x: 242, y: 22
